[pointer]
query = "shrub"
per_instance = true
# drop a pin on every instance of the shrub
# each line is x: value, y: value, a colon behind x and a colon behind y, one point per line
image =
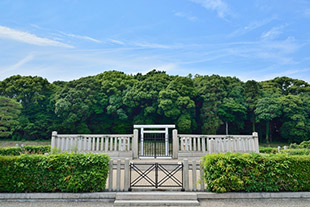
x: 31, y: 149
x: 302, y: 145
x: 256, y: 172
x: 296, y: 151
x: 52, y: 173
x: 268, y: 150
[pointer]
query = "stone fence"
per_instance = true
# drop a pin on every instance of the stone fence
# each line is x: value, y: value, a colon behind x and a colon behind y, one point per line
x: 183, y: 145
x: 186, y: 145
x: 120, y: 176
x: 115, y: 145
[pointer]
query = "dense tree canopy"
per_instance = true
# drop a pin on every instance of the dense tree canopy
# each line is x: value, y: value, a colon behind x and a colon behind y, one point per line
x: 111, y: 102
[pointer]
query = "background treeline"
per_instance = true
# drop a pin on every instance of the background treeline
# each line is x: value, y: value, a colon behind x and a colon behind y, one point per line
x: 111, y: 102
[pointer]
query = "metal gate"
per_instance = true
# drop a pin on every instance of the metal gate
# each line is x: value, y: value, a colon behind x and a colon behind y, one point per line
x: 155, y: 140
x: 156, y: 176
x: 156, y: 145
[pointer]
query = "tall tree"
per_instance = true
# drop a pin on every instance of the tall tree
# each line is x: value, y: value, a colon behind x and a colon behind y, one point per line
x: 9, y: 112
x: 34, y: 94
x: 252, y: 92
x: 268, y: 108
x: 177, y: 103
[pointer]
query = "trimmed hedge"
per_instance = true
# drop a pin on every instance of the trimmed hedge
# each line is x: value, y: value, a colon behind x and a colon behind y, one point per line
x: 302, y: 145
x: 268, y: 150
x: 256, y: 172
x: 31, y: 149
x: 296, y: 151
x: 65, y: 172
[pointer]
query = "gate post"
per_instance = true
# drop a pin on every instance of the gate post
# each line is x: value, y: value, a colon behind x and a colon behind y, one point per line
x: 175, y: 144
x: 256, y: 144
x: 53, y: 142
x: 135, y: 144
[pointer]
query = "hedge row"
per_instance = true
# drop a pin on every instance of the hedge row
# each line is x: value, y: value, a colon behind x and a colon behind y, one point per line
x: 268, y: 150
x: 31, y: 149
x: 54, y: 173
x: 256, y: 172
x: 302, y: 145
x: 296, y: 151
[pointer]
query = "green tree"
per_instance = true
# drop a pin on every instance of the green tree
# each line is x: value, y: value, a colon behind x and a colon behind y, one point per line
x: 177, y: 102
x: 142, y: 98
x: 211, y: 92
x: 231, y: 111
x: 34, y: 93
x: 9, y: 112
x: 268, y: 108
x: 296, y: 125
x: 252, y: 92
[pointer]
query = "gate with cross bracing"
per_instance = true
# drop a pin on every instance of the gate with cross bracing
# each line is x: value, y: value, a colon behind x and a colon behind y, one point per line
x: 156, y: 176
x: 155, y: 140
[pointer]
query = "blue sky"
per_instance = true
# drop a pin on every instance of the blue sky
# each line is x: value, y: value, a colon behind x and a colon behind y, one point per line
x: 69, y: 39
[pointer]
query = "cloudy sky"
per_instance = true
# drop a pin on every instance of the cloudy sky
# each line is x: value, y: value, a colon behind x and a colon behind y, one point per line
x: 69, y: 39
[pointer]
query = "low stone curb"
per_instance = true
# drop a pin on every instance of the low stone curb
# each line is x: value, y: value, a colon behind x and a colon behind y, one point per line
x: 58, y: 196
x: 276, y: 195
x: 110, y: 196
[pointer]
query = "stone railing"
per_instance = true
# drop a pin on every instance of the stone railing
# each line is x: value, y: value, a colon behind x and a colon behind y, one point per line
x: 185, y: 145
x: 115, y: 145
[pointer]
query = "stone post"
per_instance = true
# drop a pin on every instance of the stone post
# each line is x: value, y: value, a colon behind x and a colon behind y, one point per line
x: 135, y: 144
x: 175, y: 144
x: 53, y: 142
x: 256, y: 144
x: 186, y: 175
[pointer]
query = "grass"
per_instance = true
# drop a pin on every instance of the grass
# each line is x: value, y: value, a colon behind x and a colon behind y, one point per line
x: 10, y: 143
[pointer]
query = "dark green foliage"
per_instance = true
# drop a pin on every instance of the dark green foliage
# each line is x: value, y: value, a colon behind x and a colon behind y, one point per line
x: 268, y: 150
x: 302, y: 145
x: 9, y: 111
x: 111, y: 102
x: 54, y: 173
x: 256, y: 172
x: 25, y: 150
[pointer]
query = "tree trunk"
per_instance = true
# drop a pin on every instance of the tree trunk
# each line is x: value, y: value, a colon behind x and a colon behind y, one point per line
x: 226, y: 127
x: 267, y: 131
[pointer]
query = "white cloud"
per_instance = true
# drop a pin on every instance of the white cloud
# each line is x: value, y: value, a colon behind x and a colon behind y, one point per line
x: 218, y: 5
x: 186, y: 16
x: 251, y: 26
x: 9, y: 33
x: 17, y: 65
x: 273, y: 33
x: 81, y: 37
x: 116, y: 41
x: 151, y: 45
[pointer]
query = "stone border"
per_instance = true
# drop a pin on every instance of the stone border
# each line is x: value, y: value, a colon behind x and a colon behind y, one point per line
x: 274, y: 195
x: 110, y: 196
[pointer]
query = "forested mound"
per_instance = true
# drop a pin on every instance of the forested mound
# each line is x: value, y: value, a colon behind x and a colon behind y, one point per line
x: 111, y: 102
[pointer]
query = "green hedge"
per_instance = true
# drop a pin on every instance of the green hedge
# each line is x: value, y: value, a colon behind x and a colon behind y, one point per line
x: 256, y: 172
x: 268, y: 150
x: 296, y: 151
x: 302, y: 145
x: 54, y: 173
x: 31, y: 149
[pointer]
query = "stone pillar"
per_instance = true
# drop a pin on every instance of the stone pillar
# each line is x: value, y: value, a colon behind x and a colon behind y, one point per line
x: 175, y: 144
x: 53, y: 142
x: 256, y: 144
x: 186, y: 175
x: 126, y: 176
x: 135, y: 144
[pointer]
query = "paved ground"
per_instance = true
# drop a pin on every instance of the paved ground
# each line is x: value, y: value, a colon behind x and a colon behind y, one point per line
x: 257, y: 203
x: 209, y: 203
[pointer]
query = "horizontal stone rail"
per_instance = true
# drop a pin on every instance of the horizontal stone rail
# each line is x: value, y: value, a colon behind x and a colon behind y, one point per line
x: 115, y: 145
x: 187, y: 145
